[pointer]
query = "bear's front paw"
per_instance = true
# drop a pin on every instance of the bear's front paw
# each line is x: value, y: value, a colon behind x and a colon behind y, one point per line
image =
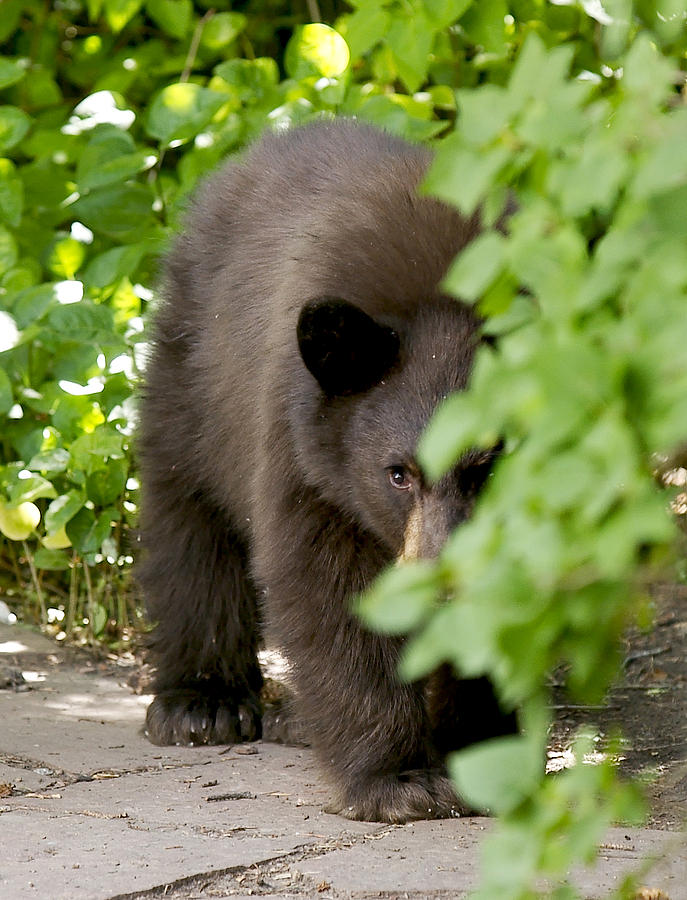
x: 402, y: 798
x: 186, y: 716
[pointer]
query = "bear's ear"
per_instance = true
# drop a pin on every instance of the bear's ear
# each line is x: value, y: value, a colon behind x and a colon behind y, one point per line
x: 344, y: 348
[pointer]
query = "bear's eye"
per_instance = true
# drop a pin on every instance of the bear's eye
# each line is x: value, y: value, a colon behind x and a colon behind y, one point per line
x: 399, y: 478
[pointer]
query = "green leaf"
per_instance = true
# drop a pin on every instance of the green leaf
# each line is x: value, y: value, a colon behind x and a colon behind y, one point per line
x: 122, y: 212
x: 110, y: 157
x: 90, y: 450
x: 86, y: 532
x: 366, y: 27
x: 45, y: 187
x: 499, y: 774
x: 27, y: 489
x: 104, y: 486
x: 484, y: 25
x: 646, y: 72
x: 10, y: 71
x: 8, y: 250
x: 593, y: 180
x: 74, y: 415
x: 82, y: 321
x: 452, y: 429
x: 11, y: 193
x: 316, y: 49
x: 252, y: 79
x: 173, y: 16
x: 484, y: 113
x: 180, y: 111
x: 32, y: 303
x: 111, y: 266
x: 40, y: 91
x: 222, y: 29
x: 447, y: 179
x: 53, y: 461
x: 444, y: 12
x: 476, y: 267
x: 66, y: 257
x: 6, y: 398
x: 410, y: 39
x: 63, y: 509
x: 14, y: 124
x: 664, y: 169
x: 11, y: 12
x: 400, y: 598
x: 94, y: 8
x: 119, y: 12
x: 392, y: 116
x: 51, y: 560
x: 99, y: 622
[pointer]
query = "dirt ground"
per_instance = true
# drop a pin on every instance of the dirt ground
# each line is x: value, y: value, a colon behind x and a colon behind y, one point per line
x: 649, y: 707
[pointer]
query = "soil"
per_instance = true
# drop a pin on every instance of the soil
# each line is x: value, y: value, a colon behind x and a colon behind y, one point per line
x: 648, y: 706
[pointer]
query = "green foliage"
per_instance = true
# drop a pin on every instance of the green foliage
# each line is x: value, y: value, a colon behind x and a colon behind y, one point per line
x: 587, y: 290
x: 110, y: 112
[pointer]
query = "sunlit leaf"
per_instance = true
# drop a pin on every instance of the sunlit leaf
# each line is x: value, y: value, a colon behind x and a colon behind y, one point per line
x: 316, y: 49
x: 66, y: 257
x: 19, y: 520
x: 119, y: 12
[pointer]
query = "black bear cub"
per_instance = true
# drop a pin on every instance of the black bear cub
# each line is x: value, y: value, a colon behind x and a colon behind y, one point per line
x: 302, y: 346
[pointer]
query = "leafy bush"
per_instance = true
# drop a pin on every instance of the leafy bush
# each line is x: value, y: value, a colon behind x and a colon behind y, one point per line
x: 587, y: 384
x: 111, y: 111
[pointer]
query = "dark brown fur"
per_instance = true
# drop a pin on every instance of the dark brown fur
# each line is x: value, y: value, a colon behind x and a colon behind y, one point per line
x: 261, y: 482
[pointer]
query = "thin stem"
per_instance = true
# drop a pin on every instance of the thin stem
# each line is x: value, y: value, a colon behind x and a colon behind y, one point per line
x: 195, y: 43
x: 122, y: 608
x: 14, y: 561
x: 90, y: 600
x: 314, y: 11
x: 73, y: 595
x: 36, y: 583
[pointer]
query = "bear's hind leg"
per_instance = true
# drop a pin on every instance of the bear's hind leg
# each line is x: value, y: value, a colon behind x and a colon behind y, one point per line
x: 204, y: 644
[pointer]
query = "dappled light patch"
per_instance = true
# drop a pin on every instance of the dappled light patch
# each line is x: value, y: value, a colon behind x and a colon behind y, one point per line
x: 100, y: 108
x: 11, y: 647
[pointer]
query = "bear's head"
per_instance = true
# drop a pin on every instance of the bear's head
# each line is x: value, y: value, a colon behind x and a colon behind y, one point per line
x: 378, y: 380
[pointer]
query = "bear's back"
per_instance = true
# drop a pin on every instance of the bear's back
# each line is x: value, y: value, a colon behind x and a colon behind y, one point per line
x: 330, y: 209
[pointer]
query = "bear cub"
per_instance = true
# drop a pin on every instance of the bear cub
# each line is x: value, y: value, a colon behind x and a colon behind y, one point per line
x: 302, y: 346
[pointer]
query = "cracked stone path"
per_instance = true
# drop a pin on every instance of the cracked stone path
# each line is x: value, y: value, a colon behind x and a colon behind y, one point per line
x: 90, y: 809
